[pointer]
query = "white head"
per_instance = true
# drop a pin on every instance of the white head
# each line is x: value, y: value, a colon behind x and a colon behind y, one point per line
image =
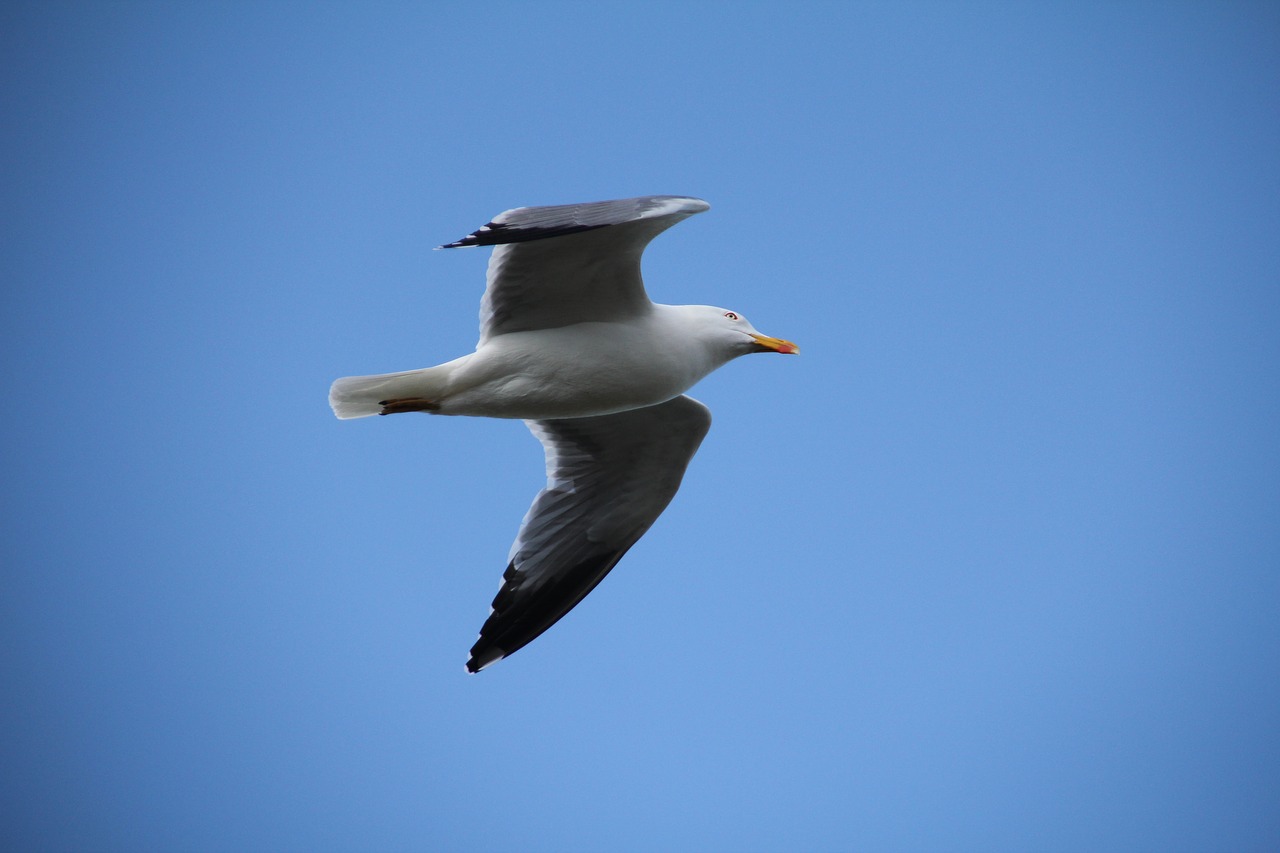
x: 734, y: 332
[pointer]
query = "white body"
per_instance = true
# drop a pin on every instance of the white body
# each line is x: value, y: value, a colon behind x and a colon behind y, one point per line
x: 574, y: 371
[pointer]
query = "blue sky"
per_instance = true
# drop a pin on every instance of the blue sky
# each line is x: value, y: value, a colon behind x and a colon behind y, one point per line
x: 994, y: 565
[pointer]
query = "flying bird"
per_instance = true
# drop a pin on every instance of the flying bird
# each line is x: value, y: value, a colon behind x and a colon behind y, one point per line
x: 571, y: 344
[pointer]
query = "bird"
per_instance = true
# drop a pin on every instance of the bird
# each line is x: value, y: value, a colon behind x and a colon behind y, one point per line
x: 571, y: 344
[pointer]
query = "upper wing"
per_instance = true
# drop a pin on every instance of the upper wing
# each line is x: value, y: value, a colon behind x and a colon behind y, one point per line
x: 608, y: 479
x: 572, y: 263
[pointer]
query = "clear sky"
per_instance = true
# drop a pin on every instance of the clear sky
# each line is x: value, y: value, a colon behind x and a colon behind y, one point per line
x: 993, y: 566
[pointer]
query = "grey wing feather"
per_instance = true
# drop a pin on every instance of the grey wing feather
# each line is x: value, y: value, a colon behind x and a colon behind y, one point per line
x: 523, y: 224
x: 573, y: 263
x: 608, y: 480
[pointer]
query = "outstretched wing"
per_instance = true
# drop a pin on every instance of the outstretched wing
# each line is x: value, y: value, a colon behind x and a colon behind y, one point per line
x: 608, y: 479
x: 572, y: 263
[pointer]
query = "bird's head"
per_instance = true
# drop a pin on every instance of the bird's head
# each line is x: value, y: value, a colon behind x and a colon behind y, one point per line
x: 738, y: 333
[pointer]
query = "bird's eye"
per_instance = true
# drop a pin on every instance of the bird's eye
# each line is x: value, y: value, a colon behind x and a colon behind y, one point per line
x: 731, y: 315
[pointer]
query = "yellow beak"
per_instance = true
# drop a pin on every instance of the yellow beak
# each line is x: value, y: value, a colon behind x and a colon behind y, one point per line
x: 768, y: 344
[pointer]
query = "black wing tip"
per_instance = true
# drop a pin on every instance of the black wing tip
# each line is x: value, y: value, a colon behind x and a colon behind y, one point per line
x: 497, y: 235
x: 483, y: 658
x: 475, y: 238
x: 510, y: 628
x: 472, y: 239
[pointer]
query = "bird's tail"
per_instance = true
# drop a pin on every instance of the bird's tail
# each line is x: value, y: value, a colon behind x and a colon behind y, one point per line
x: 361, y: 396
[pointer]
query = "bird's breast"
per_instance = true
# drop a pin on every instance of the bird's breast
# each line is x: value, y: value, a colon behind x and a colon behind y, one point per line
x: 570, y: 372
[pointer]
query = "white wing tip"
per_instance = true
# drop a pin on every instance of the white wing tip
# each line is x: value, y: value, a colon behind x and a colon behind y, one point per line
x: 685, y: 204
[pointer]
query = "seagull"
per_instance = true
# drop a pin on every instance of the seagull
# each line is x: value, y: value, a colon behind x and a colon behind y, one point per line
x: 571, y: 344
